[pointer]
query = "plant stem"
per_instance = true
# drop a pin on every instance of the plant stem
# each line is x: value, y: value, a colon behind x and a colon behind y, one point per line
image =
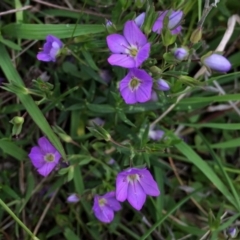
x: 12, y: 214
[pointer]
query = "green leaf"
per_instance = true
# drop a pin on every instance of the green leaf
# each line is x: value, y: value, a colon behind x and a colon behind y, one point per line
x: 223, y: 98
x: 228, y: 144
x: 223, y: 126
x: 101, y: 108
x: 12, y: 149
x: 10, y: 44
x: 70, y: 235
x: 40, y: 31
x: 202, y: 165
x: 224, y: 173
x: 10, y: 192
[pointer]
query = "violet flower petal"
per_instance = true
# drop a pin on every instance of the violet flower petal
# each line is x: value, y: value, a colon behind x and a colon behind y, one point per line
x: 143, y: 54
x: 41, y: 56
x: 117, y: 43
x: 144, y: 92
x: 121, y: 60
x: 158, y: 25
x: 121, y: 187
x: 47, y: 168
x: 104, y: 214
x: 51, y: 38
x: 45, y: 145
x: 136, y: 195
x: 113, y: 204
x: 128, y: 96
x: 177, y: 30
x: 133, y: 34
x: 148, y: 184
x: 37, y: 157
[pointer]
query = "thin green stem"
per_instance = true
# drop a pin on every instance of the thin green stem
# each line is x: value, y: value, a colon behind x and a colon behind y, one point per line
x: 12, y: 214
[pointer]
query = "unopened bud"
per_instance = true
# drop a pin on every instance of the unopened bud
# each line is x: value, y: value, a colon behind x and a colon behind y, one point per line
x: 175, y: 19
x: 17, y: 125
x: 73, y: 198
x: 216, y: 62
x: 196, y: 35
x: 17, y: 120
x: 163, y: 85
x: 232, y: 232
x: 139, y: 3
x: 180, y: 53
x: 139, y: 20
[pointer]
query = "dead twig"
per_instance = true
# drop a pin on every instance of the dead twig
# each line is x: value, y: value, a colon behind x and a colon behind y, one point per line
x: 15, y: 10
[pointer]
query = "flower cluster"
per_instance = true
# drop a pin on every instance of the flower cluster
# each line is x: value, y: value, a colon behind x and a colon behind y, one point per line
x: 133, y: 184
x: 132, y: 49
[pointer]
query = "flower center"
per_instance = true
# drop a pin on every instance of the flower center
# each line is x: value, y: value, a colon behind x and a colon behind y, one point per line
x: 134, y: 83
x: 49, y: 157
x: 102, y: 202
x: 133, y: 177
x: 133, y: 52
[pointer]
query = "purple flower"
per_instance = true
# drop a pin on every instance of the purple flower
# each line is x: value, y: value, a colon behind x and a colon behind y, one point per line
x: 105, y: 75
x: 134, y: 184
x: 44, y: 157
x: 50, y: 49
x: 129, y: 50
x: 154, y: 96
x: 174, y: 19
x: 217, y: 63
x: 105, y: 206
x: 162, y: 85
x: 111, y: 161
x: 136, y: 86
x: 155, y: 134
x: 98, y: 121
x: 108, y: 23
x: 232, y: 232
x: 73, y: 198
x: 180, y: 53
x: 139, y: 20
x: 1, y: 80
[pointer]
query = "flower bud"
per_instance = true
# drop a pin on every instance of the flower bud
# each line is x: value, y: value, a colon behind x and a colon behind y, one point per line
x: 1, y: 80
x: 180, y: 53
x: 108, y: 23
x: 73, y: 198
x: 217, y: 63
x: 17, y: 125
x: 155, y: 134
x: 196, y: 35
x: 139, y: 20
x: 174, y: 19
x: 172, y: 22
x: 232, y: 232
x: 139, y: 3
x: 105, y: 75
x: 163, y: 85
x: 111, y: 28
